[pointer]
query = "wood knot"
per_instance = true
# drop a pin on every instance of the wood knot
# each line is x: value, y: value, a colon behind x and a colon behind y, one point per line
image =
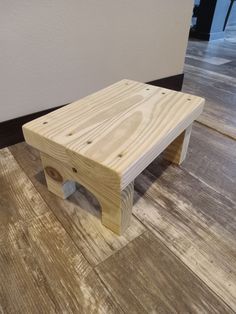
x: 54, y: 174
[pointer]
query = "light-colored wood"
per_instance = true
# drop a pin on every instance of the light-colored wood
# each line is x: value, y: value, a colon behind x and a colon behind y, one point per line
x: 80, y: 214
x: 61, y: 189
x: 116, y: 204
x: 176, y: 152
x: 121, y: 128
x: 111, y: 137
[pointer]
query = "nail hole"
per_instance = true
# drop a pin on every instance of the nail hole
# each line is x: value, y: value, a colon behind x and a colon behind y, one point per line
x: 147, y: 88
x: 89, y: 142
x: 74, y: 170
x: 45, y: 122
x: 120, y: 155
x: 163, y: 93
x: 189, y: 99
x: 70, y: 134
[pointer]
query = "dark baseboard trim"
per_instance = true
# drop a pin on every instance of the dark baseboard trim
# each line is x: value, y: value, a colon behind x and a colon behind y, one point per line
x: 11, y: 130
x: 174, y: 82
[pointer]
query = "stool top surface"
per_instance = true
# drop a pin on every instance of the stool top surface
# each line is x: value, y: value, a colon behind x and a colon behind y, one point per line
x: 123, y: 127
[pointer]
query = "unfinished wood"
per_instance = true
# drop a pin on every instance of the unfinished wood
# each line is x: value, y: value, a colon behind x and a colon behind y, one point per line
x: 176, y: 152
x: 115, y: 132
x: 79, y: 215
x: 194, y: 221
x: 57, y: 184
x: 110, y: 137
x: 147, y: 278
x: 41, y: 269
x: 116, y: 205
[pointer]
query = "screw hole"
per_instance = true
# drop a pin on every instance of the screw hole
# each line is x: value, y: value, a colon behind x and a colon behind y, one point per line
x: 74, y: 170
x: 89, y: 142
x: 189, y: 99
x: 163, y: 93
x: 45, y: 122
x: 120, y: 155
x: 147, y: 88
x: 70, y: 134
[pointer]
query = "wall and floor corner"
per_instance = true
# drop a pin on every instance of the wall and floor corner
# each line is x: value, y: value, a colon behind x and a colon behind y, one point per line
x: 53, y: 53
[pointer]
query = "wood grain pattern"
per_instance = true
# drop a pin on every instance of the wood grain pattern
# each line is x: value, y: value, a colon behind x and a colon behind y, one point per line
x: 41, y: 269
x: 147, y: 278
x: 117, y: 131
x: 116, y: 205
x: 212, y: 159
x: 176, y: 152
x: 217, y: 83
x: 110, y: 137
x: 197, y: 223
x: 79, y: 215
x: 219, y: 90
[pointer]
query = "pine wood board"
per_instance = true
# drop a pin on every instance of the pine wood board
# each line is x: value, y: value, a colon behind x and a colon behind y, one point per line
x: 80, y: 214
x: 147, y: 278
x: 119, y: 129
x: 41, y: 269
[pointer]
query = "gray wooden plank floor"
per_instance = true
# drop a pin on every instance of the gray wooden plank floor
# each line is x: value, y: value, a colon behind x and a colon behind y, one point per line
x: 179, y: 254
x: 214, y: 81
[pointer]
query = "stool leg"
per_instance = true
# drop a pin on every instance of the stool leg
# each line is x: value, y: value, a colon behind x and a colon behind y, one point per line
x: 177, y: 150
x: 116, y: 204
x: 117, y: 209
x: 55, y: 182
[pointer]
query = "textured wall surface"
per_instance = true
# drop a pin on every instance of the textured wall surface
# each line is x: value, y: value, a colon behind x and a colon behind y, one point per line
x: 54, y: 52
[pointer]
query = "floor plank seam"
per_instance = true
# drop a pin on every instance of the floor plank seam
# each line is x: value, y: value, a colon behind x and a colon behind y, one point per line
x: 108, y: 291
x: 213, y: 73
x: 105, y: 283
x: 189, y: 269
x: 53, y: 213
x: 218, y: 131
x: 90, y: 263
x: 206, y: 184
x: 118, y: 250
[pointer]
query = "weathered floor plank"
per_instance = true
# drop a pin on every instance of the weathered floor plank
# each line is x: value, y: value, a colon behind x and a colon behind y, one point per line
x: 41, y: 269
x: 195, y: 216
x: 79, y: 214
x: 146, y: 277
x: 216, y: 83
x: 220, y: 94
x: 212, y: 158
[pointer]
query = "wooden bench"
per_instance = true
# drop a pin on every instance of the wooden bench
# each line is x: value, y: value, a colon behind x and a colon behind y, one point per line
x: 105, y: 140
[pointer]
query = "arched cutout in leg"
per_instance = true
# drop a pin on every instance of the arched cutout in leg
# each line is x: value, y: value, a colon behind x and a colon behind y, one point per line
x: 116, y: 204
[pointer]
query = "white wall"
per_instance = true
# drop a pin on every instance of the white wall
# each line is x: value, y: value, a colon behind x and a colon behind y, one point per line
x: 55, y: 51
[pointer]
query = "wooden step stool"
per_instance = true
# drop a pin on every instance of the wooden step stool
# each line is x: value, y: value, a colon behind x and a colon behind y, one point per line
x: 104, y: 141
